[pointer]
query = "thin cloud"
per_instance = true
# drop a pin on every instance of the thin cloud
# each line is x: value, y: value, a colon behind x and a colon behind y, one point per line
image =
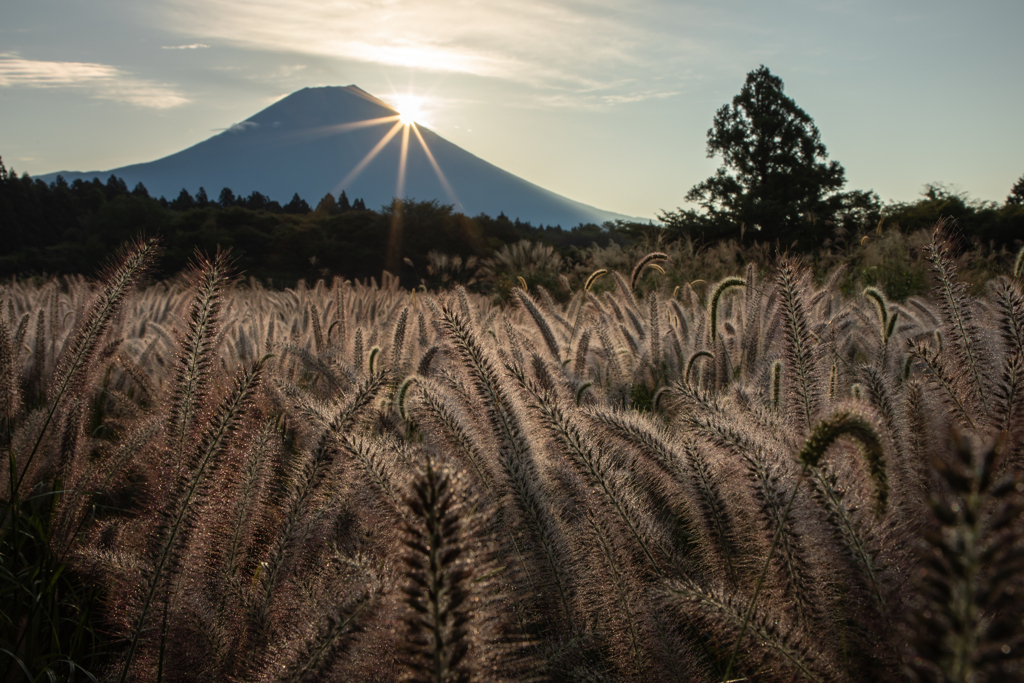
x: 101, y: 81
x: 557, y: 45
x: 638, y: 97
x: 192, y: 46
x: 241, y: 126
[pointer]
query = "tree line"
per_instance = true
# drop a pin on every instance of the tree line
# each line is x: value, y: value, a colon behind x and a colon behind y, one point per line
x: 63, y: 228
x: 776, y: 186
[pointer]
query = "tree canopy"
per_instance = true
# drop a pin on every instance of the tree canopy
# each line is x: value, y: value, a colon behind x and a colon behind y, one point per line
x: 1016, y: 196
x: 776, y: 181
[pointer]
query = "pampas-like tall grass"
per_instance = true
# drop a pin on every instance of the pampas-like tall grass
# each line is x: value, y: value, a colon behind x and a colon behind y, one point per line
x: 243, y: 484
x: 38, y: 635
x: 966, y: 621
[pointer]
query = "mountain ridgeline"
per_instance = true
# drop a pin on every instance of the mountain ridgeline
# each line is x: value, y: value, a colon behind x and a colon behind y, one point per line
x: 322, y: 140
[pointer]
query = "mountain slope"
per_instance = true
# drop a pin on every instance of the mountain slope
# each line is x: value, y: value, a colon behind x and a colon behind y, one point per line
x: 320, y: 140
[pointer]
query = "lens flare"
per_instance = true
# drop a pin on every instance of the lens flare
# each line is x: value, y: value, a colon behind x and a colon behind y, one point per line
x: 409, y: 117
x: 410, y: 109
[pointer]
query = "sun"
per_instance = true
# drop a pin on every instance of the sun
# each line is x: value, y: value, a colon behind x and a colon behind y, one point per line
x: 410, y: 109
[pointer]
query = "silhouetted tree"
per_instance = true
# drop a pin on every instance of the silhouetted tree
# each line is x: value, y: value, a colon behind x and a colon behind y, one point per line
x: 139, y: 191
x: 328, y: 205
x: 297, y: 205
x: 343, y: 204
x: 1017, y: 193
x: 257, y: 201
x: 227, y: 198
x: 359, y: 205
x: 776, y: 178
x: 202, y: 201
x: 115, y: 187
x: 184, y: 202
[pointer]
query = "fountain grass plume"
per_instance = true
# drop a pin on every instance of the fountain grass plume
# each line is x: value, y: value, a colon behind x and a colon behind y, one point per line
x: 952, y: 388
x: 582, y: 346
x: 769, y: 637
x: 854, y: 424
x: 716, y: 294
x: 376, y: 458
x: 402, y: 395
x: 515, y: 451
x: 10, y: 399
x: 1009, y: 302
x: 654, y: 333
x: 450, y: 419
x: 304, y: 483
x: 197, y: 349
x: 593, y: 463
x: 439, y: 590
x: 685, y: 466
x: 964, y: 625
x: 958, y: 314
x: 84, y: 344
x: 318, y: 333
x: 398, y: 340
x: 371, y: 363
x: 214, y: 440
x: 647, y: 260
x: 1008, y: 391
x: 694, y: 357
x: 800, y: 345
x: 594, y: 277
x: 540, y: 320
x: 776, y: 385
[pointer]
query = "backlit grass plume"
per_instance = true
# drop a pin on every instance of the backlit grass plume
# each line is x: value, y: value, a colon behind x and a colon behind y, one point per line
x: 348, y: 481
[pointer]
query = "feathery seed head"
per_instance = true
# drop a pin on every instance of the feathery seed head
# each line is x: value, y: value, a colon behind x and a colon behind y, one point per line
x: 852, y: 423
x: 638, y: 269
x: 594, y: 277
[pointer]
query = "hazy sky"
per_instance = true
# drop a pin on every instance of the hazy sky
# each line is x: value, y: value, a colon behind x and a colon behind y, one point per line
x: 607, y: 102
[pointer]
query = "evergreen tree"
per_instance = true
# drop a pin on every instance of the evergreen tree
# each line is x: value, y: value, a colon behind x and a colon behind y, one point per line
x: 202, y: 201
x: 184, y: 202
x: 139, y: 191
x: 328, y: 205
x: 776, y: 180
x: 116, y: 187
x: 359, y: 205
x: 257, y: 201
x: 343, y: 204
x: 227, y: 198
x: 297, y: 205
x: 1017, y: 193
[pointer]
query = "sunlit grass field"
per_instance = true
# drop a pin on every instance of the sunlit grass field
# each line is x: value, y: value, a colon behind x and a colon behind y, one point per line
x: 758, y: 478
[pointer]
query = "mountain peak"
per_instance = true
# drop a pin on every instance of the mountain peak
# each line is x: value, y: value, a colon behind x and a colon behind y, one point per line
x: 334, y: 138
x: 323, y: 105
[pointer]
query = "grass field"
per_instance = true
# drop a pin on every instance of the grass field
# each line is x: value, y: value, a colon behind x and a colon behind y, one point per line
x: 757, y: 478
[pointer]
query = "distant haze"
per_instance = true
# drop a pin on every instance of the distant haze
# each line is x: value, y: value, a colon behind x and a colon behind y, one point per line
x: 335, y: 139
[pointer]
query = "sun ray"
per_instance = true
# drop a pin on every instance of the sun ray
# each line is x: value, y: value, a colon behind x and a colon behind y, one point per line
x: 355, y: 125
x: 403, y: 162
x: 409, y: 107
x: 437, y: 167
x: 368, y: 158
x: 336, y: 129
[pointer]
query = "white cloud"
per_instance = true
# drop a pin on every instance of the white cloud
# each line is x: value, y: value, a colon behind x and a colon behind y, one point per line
x: 558, y: 45
x: 101, y: 81
x: 191, y: 46
x: 242, y: 126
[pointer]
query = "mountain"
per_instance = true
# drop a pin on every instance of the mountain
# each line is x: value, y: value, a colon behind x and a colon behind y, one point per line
x: 320, y: 140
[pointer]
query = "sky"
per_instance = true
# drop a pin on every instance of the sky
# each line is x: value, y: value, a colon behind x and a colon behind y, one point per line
x: 603, y: 101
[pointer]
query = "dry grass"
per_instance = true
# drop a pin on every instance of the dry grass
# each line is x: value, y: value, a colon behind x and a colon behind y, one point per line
x: 357, y: 482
